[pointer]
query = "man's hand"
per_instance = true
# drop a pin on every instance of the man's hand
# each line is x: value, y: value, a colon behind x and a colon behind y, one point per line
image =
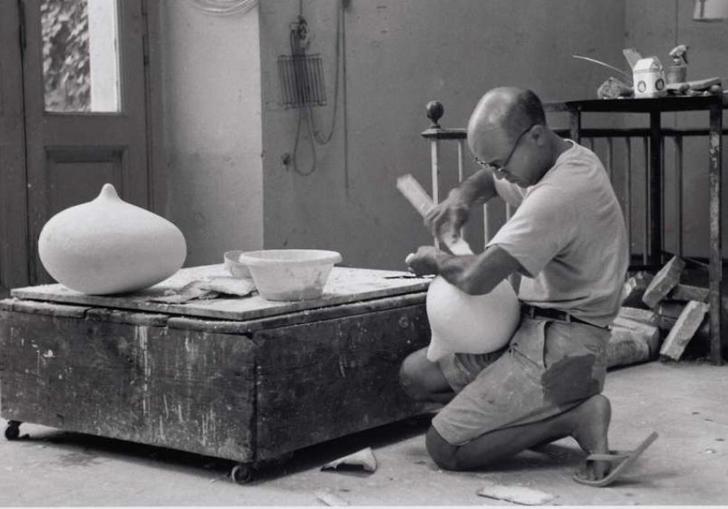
x: 424, y: 261
x: 447, y: 217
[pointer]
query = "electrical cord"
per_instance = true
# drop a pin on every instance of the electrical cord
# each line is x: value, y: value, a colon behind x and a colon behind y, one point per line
x: 325, y: 139
x: 315, y: 136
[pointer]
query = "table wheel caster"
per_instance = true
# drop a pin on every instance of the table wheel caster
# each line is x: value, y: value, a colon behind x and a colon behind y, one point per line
x: 12, y: 431
x: 242, y: 473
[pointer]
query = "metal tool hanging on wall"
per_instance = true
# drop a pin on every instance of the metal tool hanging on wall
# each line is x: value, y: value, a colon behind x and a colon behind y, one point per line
x: 302, y: 85
x: 301, y: 76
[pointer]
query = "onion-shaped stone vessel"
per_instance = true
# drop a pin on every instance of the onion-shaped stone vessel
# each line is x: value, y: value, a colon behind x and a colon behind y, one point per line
x: 109, y: 246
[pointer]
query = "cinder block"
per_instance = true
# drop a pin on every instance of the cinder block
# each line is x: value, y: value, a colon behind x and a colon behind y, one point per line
x: 663, y: 282
x: 684, y: 329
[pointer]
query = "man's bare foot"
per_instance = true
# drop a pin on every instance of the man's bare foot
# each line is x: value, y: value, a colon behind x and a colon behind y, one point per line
x: 590, y: 431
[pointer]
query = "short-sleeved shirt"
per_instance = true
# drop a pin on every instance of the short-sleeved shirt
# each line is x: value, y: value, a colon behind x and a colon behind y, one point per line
x: 569, y: 236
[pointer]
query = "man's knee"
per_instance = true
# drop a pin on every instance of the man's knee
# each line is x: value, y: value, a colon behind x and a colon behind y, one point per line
x: 441, y: 451
x: 411, y: 378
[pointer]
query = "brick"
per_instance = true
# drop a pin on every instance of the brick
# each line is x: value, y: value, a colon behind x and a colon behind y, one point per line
x: 663, y: 282
x: 684, y: 329
x: 687, y: 293
x: 639, y: 315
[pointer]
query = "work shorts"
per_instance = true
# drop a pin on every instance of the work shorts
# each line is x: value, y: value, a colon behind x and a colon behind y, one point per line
x: 548, y: 368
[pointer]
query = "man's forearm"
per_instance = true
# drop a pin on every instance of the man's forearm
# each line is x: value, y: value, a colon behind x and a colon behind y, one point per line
x: 479, y: 186
x: 477, y: 274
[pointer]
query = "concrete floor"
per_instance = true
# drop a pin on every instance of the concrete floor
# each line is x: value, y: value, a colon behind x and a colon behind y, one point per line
x: 686, y: 403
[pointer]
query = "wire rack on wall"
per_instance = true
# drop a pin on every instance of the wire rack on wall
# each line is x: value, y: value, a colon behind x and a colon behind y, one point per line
x: 301, y: 81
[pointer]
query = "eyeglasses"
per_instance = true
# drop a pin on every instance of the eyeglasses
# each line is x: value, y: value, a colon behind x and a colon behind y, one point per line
x: 500, y: 169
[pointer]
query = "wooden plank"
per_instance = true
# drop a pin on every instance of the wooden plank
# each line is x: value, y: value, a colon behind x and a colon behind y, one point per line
x: 663, y: 282
x: 687, y: 293
x: 184, y: 390
x: 684, y: 329
x: 307, y: 316
x: 130, y: 317
x: 345, y: 285
x: 324, y: 380
x: 49, y: 308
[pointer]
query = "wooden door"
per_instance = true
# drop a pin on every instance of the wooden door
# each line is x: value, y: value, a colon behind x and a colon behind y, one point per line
x: 13, y: 223
x: 84, y: 96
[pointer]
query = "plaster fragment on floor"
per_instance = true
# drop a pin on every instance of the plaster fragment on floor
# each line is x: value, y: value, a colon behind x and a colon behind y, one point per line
x: 362, y: 459
x: 330, y: 499
x: 516, y: 494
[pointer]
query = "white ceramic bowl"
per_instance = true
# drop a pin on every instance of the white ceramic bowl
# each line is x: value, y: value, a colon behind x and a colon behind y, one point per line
x: 233, y: 265
x: 290, y: 274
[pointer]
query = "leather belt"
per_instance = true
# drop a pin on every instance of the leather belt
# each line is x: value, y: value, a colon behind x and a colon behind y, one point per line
x: 553, y: 314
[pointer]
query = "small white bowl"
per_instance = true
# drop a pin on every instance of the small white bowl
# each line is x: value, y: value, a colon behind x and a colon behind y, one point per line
x: 233, y: 265
x: 290, y: 274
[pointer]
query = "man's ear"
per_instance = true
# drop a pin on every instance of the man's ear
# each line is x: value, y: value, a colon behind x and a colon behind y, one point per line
x: 538, y: 133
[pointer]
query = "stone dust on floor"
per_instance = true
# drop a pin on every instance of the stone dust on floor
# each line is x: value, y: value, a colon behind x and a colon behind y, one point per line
x: 686, y: 403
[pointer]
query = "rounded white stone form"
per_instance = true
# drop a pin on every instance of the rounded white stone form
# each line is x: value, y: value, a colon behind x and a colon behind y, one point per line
x: 462, y: 323
x: 110, y: 246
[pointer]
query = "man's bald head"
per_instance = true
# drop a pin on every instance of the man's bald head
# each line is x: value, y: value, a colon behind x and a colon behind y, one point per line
x: 508, y: 109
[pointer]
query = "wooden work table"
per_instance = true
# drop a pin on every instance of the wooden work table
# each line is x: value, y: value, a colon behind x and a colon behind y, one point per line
x: 238, y: 378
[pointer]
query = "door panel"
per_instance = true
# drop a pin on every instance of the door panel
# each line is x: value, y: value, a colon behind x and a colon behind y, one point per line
x: 74, y: 174
x: 13, y: 207
x: 74, y: 148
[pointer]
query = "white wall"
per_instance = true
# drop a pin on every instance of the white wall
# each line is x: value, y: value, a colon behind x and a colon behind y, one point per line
x: 212, y: 136
x: 226, y: 131
x: 400, y: 54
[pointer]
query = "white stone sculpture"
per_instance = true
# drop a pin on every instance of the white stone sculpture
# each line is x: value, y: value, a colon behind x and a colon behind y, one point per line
x: 462, y: 323
x: 110, y: 246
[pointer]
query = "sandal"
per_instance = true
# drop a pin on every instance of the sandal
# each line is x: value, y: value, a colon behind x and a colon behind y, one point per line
x: 620, y: 461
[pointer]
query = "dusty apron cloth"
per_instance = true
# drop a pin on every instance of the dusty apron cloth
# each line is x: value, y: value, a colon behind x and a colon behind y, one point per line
x: 548, y: 368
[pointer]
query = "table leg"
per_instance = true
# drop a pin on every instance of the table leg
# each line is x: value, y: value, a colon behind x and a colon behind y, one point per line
x: 655, y: 186
x: 716, y: 260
